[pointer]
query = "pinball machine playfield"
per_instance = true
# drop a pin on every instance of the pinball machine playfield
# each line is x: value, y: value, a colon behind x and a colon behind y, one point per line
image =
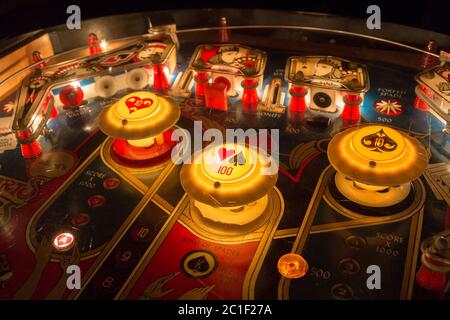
x: 101, y: 168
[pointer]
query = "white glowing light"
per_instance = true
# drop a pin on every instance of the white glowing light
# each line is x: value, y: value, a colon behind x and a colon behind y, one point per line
x: 166, y: 71
x: 63, y: 241
x: 103, y: 45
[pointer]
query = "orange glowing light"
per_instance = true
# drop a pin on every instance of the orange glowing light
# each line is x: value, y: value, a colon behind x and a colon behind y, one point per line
x: 228, y: 175
x: 377, y: 155
x: 292, y: 266
x: 139, y: 115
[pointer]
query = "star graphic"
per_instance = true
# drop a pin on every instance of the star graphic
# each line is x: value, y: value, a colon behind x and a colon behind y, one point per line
x: 389, y: 107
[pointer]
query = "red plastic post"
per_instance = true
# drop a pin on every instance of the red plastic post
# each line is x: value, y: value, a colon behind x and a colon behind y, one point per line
x: 298, y: 94
x: 224, y: 32
x: 31, y: 149
x: 201, y: 81
x: 94, y: 44
x: 250, y: 94
x: 351, y: 108
x: 37, y: 57
x: 431, y: 280
x: 160, y: 81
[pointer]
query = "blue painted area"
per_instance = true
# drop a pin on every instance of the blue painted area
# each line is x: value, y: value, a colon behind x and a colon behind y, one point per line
x: 391, y: 83
x: 13, y: 165
x: 71, y: 127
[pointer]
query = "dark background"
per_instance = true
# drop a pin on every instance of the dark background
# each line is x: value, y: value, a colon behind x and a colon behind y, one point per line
x: 21, y: 16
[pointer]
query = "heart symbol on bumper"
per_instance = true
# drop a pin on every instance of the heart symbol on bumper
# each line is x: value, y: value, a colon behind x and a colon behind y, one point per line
x: 224, y: 153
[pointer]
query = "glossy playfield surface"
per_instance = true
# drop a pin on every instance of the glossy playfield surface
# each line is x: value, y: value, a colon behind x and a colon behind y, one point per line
x: 135, y: 230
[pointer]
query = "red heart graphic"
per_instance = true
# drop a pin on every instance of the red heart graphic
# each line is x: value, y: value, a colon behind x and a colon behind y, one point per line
x: 224, y: 153
x: 80, y: 219
x: 135, y: 103
x: 64, y: 239
x: 111, y: 183
x: 112, y: 59
x: 96, y: 201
